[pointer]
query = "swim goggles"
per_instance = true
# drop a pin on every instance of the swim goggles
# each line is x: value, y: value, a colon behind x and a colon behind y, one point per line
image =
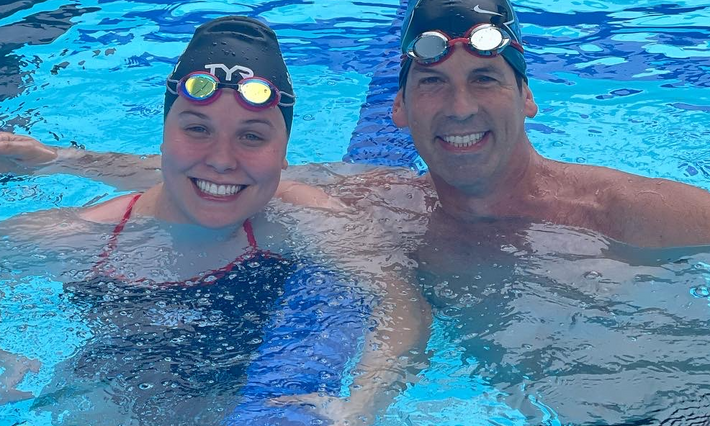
x: 254, y: 93
x: 484, y: 40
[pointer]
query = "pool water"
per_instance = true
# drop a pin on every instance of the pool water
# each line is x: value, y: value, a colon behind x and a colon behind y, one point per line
x: 548, y: 326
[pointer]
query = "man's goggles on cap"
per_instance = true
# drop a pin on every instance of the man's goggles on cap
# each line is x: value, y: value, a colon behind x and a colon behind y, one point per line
x: 254, y: 93
x: 485, y: 40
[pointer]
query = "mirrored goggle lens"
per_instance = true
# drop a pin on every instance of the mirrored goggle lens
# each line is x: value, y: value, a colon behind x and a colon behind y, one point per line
x: 429, y: 46
x: 257, y: 92
x: 200, y: 87
x: 488, y: 39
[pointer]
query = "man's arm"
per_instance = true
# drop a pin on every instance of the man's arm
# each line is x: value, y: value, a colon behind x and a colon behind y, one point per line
x: 394, y: 346
x: 26, y: 155
x: 659, y: 213
x: 393, y: 350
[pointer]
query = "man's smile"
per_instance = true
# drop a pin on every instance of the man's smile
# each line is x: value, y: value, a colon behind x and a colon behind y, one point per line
x: 463, y: 142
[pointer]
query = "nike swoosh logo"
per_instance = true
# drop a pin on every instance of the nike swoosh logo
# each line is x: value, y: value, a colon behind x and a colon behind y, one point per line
x: 478, y: 9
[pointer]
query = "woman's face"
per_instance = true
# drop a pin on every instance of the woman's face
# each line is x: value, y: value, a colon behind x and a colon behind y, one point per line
x: 221, y: 162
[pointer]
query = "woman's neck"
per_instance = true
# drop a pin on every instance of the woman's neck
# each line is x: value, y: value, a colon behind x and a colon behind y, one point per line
x: 157, y: 204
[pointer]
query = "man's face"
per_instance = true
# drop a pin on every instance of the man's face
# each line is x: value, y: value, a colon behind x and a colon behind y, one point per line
x: 466, y: 116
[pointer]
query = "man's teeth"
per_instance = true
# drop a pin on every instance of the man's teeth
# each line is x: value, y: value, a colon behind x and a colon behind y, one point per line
x: 463, y: 141
x: 218, y: 190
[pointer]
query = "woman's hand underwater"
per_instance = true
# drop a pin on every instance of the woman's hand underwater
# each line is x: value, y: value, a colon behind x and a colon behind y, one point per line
x: 15, y: 368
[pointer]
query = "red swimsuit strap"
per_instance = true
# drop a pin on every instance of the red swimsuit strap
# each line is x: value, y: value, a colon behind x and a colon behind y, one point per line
x: 215, y: 274
x: 113, y: 239
x: 99, y: 267
x: 250, y: 234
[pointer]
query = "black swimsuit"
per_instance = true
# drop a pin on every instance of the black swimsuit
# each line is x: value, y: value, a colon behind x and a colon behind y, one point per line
x: 265, y: 327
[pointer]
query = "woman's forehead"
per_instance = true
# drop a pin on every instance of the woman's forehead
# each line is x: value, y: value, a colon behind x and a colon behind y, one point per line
x: 226, y: 110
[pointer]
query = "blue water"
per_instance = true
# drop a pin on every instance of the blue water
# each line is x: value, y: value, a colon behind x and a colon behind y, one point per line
x: 620, y: 83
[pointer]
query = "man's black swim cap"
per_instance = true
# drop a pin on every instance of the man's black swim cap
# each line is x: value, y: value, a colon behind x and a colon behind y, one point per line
x: 232, y: 48
x: 455, y: 18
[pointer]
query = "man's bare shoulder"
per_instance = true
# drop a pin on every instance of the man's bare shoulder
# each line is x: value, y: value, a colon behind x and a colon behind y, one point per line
x: 606, y: 186
x: 325, y: 173
x: 626, y: 190
x: 390, y: 188
x: 645, y: 211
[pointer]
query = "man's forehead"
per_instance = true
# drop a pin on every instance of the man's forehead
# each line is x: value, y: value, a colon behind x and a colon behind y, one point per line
x: 465, y: 63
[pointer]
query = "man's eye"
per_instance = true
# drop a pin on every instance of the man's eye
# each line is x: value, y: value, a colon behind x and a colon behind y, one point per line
x: 430, y: 80
x: 484, y: 79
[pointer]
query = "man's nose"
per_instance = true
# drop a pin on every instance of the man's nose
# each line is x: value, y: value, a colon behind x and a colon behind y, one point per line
x: 463, y: 104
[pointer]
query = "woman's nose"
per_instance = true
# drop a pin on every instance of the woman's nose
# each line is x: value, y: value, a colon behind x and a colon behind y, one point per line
x: 223, y: 155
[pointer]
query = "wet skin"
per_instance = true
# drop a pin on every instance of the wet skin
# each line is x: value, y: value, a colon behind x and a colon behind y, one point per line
x: 466, y: 116
x: 221, y: 162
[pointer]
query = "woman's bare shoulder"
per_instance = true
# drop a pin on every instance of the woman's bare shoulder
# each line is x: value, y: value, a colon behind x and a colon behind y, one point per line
x: 111, y: 211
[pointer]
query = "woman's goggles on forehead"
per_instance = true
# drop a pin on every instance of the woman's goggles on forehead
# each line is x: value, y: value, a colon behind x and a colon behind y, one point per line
x: 485, y: 40
x: 254, y: 93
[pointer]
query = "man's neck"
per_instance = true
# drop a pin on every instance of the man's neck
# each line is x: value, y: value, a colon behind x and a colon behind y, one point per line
x: 510, y: 195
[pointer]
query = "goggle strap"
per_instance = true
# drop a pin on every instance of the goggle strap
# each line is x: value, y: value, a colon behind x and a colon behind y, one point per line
x: 287, y: 104
x: 167, y: 86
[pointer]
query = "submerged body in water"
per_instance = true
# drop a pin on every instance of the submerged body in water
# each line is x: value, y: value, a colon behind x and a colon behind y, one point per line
x: 537, y: 323
x: 533, y: 323
x: 176, y: 355
x: 559, y: 321
x: 214, y: 349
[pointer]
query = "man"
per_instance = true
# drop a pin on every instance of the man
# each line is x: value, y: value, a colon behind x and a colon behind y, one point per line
x: 465, y: 101
x: 524, y: 302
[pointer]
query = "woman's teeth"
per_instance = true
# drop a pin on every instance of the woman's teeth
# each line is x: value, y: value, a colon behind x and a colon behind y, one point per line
x: 214, y: 189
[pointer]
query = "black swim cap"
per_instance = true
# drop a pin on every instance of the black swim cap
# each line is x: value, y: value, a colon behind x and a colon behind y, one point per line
x: 232, y: 48
x: 455, y: 17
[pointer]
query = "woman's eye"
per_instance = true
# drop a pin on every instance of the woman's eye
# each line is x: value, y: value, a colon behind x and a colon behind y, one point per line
x: 197, y: 130
x: 253, y: 138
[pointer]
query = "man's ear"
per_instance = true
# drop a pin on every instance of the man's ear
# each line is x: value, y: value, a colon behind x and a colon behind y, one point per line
x: 399, y: 116
x: 530, y: 107
x: 284, y: 166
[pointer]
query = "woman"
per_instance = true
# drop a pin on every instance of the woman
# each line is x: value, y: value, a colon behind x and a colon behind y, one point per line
x: 185, y: 272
